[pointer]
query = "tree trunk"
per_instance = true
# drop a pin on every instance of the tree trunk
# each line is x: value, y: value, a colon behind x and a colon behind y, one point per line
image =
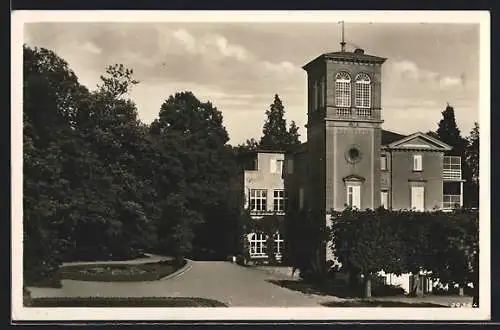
x: 475, y: 297
x: 368, y: 287
x: 416, y: 288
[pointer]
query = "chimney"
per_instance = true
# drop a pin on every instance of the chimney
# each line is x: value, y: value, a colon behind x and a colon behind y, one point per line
x: 359, y: 51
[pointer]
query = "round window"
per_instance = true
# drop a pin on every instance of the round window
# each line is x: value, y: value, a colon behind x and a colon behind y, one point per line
x: 353, y: 154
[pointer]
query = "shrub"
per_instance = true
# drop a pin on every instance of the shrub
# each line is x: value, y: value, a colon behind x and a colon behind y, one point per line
x: 444, y: 244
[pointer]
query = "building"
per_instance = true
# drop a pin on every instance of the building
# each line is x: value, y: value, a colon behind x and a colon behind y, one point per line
x: 348, y: 158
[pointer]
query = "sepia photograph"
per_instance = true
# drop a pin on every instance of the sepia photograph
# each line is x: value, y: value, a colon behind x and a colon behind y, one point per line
x: 295, y: 165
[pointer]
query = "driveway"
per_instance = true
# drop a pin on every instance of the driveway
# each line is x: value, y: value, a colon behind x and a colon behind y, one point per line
x: 229, y: 283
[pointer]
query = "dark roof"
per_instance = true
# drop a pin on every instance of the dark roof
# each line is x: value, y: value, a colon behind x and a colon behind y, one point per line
x: 388, y: 137
x: 355, y: 57
x: 348, y: 56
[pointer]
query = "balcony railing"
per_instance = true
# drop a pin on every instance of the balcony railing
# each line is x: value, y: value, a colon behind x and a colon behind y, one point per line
x: 266, y: 212
x: 357, y: 113
x: 451, y: 202
x: 452, y: 168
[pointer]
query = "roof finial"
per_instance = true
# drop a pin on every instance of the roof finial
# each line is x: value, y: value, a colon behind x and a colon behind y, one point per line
x: 342, y: 43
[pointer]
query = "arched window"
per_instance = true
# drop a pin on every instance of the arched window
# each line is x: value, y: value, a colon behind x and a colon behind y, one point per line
x: 363, y: 91
x: 342, y: 89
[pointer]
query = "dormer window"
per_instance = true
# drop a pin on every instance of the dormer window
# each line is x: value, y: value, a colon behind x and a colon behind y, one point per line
x: 363, y: 91
x: 342, y: 90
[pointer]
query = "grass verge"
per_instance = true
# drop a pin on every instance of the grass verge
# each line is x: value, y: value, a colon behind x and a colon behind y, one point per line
x: 375, y: 303
x: 124, y: 302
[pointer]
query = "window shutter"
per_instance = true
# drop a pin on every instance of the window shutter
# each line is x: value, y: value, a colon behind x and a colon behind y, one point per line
x: 273, y: 165
x: 301, y: 198
x: 290, y: 166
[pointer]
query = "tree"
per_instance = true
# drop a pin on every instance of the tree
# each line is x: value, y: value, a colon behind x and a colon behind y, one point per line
x: 275, y: 134
x: 449, y: 132
x: 365, y: 243
x: 193, y: 133
x: 472, y: 160
x: 51, y: 95
x: 293, y: 134
x: 472, y: 152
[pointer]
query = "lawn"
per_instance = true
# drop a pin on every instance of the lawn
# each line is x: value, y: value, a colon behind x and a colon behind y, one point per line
x: 124, y: 302
x: 378, y: 303
x: 337, y: 288
x: 151, y: 271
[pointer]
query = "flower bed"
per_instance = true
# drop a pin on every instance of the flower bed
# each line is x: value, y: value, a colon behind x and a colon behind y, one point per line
x: 120, y: 272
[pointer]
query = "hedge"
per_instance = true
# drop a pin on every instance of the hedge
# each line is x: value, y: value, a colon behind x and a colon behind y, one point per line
x: 443, y: 244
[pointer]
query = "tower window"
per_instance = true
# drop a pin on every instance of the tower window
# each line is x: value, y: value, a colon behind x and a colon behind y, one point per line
x: 363, y: 91
x: 322, y: 92
x: 315, y: 95
x: 342, y: 89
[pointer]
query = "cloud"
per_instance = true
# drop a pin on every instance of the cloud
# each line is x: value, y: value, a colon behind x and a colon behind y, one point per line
x: 447, y: 82
x: 212, y: 45
x: 186, y: 39
x: 410, y: 71
x: 91, y: 48
x: 284, y: 67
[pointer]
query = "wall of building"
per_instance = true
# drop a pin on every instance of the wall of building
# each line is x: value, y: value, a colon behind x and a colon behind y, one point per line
x: 365, y: 137
x: 315, y: 190
x: 298, y: 179
x: 263, y: 178
x: 403, y: 177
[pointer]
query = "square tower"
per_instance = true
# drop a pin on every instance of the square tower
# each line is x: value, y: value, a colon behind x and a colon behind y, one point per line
x: 344, y: 130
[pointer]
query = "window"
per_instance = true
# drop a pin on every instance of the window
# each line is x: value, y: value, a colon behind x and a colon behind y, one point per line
x: 289, y: 166
x: 417, y: 198
x: 452, y: 168
x: 417, y: 162
x: 258, y: 200
x: 451, y: 202
x: 383, y: 163
x: 279, y: 244
x: 280, y: 200
x: 363, y: 91
x: 257, y: 245
x: 354, y: 196
x: 315, y: 95
x: 301, y: 198
x: 384, y: 199
x: 277, y: 166
x: 342, y: 89
x: 322, y: 92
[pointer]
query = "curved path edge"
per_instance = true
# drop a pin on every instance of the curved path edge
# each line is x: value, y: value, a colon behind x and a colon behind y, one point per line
x: 187, y: 266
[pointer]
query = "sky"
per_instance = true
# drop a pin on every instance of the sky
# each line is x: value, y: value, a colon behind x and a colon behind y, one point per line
x: 239, y: 67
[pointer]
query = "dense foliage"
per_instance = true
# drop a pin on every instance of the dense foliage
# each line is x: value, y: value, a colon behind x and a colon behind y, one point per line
x: 99, y: 184
x: 275, y: 134
x: 444, y: 244
x: 467, y: 148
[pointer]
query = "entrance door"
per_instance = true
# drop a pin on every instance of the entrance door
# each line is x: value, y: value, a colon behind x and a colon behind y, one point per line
x: 417, y: 198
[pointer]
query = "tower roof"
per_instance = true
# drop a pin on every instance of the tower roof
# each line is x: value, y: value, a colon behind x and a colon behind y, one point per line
x: 358, y: 55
